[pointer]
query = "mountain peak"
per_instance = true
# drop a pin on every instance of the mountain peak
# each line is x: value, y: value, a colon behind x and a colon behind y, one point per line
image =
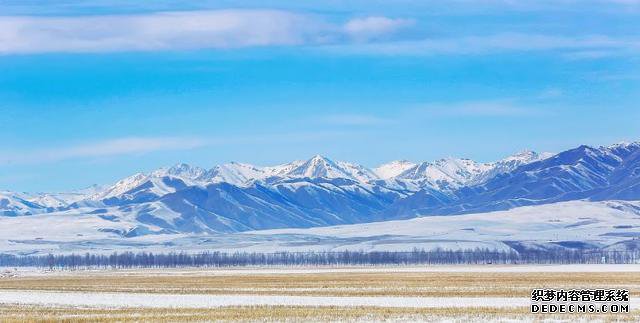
x: 524, y: 155
x: 393, y: 169
x: 624, y: 145
x: 318, y: 166
x: 121, y: 187
x: 319, y: 157
x: 234, y: 173
x: 181, y: 170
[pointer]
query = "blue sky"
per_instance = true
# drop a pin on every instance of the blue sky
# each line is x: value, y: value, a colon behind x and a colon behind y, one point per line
x: 94, y: 92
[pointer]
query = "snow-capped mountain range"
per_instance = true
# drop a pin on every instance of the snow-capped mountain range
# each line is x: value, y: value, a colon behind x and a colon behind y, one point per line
x: 238, y: 197
x: 444, y: 174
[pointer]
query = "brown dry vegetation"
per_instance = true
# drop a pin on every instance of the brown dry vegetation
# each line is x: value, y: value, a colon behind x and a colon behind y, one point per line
x: 289, y: 313
x: 432, y: 284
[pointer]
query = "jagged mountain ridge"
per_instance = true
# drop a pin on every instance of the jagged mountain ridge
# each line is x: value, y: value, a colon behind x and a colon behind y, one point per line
x: 319, y: 192
x: 603, y: 173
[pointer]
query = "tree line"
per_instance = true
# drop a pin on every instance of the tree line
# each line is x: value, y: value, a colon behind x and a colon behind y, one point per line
x: 224, y: 259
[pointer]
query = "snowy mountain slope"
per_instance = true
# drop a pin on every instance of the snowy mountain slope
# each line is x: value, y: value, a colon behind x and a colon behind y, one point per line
x: 576, y: 224
x: 609, y: 225
x: 445, y: 174
x: 393, y: 169
x: 183, y: 171
x: 450, y: 174
x: 156, y: 183
x: 238, y: 174
x: 139, y: 188
x: 358, y: 172
x: 15, y: 204
x: 624, y: 181
x: 509, y: 164
x: 121, y: 187
x: 238, y: 197
x: 283, y: 169
x: 322, y: 167
x: 57, y: 200
x: 579, y: 173
x: 223, y: 207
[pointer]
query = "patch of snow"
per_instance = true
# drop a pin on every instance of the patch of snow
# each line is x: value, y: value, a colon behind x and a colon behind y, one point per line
x: 140, y: 300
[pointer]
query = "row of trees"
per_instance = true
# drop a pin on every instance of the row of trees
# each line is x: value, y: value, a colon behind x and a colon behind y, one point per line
x: 415, y: 257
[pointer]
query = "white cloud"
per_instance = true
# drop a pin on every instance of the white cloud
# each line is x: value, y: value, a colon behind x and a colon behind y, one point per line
x: 112, y: 147
x: 157, y: 31
x: 181, y: 30
x: 363, y: 29
x: 247, y: 28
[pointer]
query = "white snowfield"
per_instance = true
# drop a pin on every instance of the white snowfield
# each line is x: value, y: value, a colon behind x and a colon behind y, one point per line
x: 134, y: 300
x: 599, y: 224
x: 158, y: 300
x: 594, y: 224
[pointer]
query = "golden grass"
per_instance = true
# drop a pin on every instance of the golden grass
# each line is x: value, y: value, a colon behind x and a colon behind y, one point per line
x: 433, y: 284
x: 427, y: 284
x: 289, y: 313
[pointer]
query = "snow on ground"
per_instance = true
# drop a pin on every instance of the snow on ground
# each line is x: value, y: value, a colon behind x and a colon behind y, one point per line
x: 152, y: 300
x: 531, y: 221
x: 135, y: 300
x: 593, y: 224
x: 598, y: 223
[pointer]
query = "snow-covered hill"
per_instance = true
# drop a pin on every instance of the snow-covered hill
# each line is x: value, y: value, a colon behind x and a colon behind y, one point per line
x: 610, y: 225
x: 15, y: 204
x: 574, y: 225
x: 238, y: 197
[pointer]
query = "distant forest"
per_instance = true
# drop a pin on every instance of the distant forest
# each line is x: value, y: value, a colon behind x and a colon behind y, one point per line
x: 344, y: 258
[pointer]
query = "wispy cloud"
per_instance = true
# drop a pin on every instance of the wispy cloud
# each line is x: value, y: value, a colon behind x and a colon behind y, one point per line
x: 182, y: 30
x: 496, y: 108
x: 495, y: 43
x: 137, y: 146
x: 237, y: 28
x: 157, y: 31
x: 488, y: 108
x: 364, y: 29
x: 105, y: 148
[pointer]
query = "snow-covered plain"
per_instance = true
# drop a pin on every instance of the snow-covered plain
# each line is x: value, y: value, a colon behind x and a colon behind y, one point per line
x: 152, y: 300
x: 608, y: 224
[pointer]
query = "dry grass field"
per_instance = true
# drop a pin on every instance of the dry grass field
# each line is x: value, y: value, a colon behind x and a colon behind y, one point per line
x: 425, y: 284
x: 312, y: 283
x: 10, y: 314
